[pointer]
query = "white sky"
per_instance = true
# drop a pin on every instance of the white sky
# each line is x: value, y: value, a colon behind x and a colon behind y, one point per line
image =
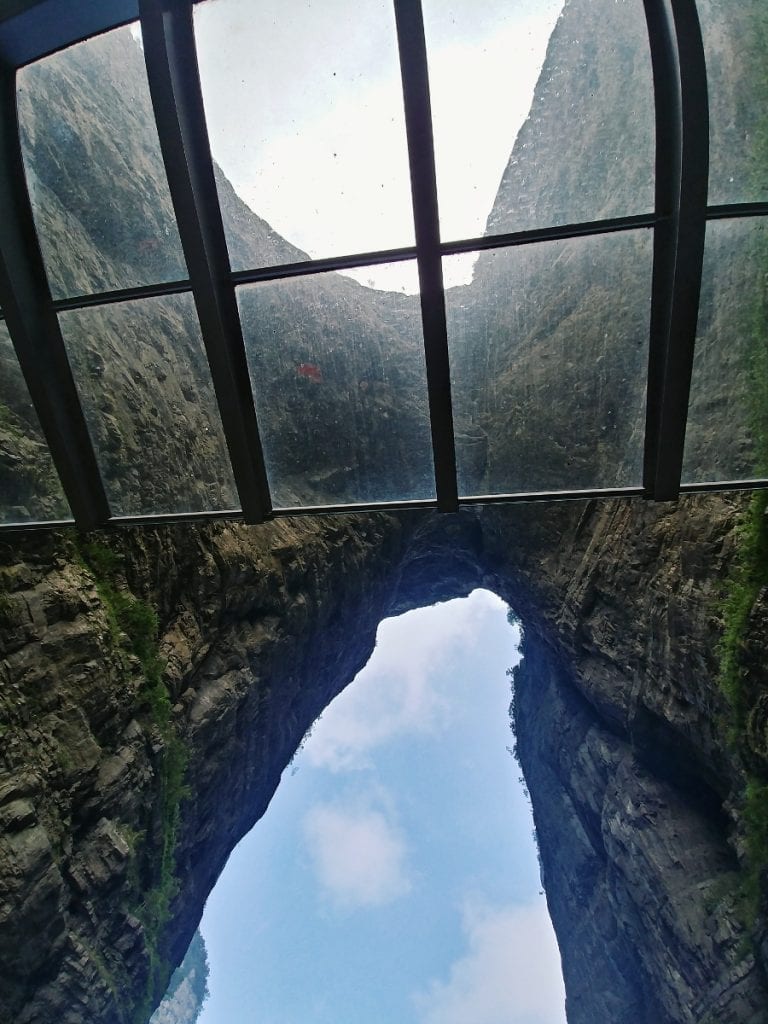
x: 393, y: 877
x: 304, y: 110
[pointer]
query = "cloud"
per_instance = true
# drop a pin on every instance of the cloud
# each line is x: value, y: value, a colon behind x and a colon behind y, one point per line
x: 510, y: 973
x: 358, y: 854
x: 398, y: 692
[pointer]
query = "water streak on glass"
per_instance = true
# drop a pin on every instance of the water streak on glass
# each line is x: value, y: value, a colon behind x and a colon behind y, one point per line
x: 735, y: 46
x: 549, y: 350
x: 580, y: 148
x: 340, y: 388
x: 94, y: 168
x: 30, y: 490
x: 727, y: 433
x: 305, y: 116
x: 144, y: 382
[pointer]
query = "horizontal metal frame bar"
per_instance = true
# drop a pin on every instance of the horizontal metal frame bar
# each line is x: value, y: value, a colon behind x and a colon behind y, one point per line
x: 734, y: 210
x: 169, y: 518
x: 36, y: 527
x: 521, y: 497
x: 550, y: 234
x: 724, y: 485
x: 573, y: 495
x: 147, y: 291
x: 174, y: 84
x: 354, y: 261
x: 360, y: 506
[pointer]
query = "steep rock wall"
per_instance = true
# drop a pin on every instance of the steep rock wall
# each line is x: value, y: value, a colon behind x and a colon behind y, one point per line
x: 620, y: 731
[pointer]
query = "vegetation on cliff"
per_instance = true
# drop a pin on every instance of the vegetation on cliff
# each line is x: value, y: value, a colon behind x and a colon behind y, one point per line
x: 133, y: 627
x: 742, y: 676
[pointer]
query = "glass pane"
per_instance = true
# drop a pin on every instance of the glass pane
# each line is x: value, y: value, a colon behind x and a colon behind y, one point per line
x: 29, y: 487
x: 144, y: 382
x: 305, y: 115
x: 549, y: 351
x: 94, y: 168
x: 727, y: 434
x: 339, y: 381
x: 593, y: 95
x: 735, y: 45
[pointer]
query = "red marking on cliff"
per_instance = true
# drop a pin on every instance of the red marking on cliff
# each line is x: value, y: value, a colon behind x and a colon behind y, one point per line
x: 310, y: 371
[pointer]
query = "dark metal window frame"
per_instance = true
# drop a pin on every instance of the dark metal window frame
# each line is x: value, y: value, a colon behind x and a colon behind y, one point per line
x: 38, y: 28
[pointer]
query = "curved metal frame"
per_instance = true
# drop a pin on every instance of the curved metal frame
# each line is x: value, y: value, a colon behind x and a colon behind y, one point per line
x: 39, y: 27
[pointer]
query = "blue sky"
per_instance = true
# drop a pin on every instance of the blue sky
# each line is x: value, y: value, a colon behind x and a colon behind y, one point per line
x: 394, y: 877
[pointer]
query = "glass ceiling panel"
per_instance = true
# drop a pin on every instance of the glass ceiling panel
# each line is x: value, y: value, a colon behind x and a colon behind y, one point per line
x: 727, y: 434
x: 549, y: 351
x: 305, y: 116
x: 146, y: 390
x: 94, y: 168
x: 30, y: 490
x: 340, y: 388
x: 736, y: 49
x: 595, y: 96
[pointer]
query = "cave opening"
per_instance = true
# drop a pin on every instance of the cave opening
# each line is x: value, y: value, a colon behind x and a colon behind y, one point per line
x: 400, y: 845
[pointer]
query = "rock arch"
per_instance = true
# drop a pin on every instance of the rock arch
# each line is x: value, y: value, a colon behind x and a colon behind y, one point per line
x: 617, y: 714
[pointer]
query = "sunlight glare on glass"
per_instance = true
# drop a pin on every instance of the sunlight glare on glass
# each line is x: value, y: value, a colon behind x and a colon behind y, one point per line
x: 484, y: 60
x: 305, y: 116
x: 311, y: 134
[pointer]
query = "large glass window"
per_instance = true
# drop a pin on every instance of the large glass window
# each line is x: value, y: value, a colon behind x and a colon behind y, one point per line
x: 578, y: 148
x: 340, y: 388
x: 144, y: 382
x: 94, y: 168
x: 549, y: 350
x: 305, y: 116
x: 736, y: 44
x: 543, y: 116
x: 727, y: 433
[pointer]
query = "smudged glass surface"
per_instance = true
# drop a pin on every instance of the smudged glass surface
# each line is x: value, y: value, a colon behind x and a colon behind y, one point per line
x: 30, y: 490
x: 727, y: 432
x: 305, y: 116
x: 582, y: 150
x: 736, y: 50
x: 549, y: 350
x: 94, y: 168
x: 339, y: 382
x: 143, y: 378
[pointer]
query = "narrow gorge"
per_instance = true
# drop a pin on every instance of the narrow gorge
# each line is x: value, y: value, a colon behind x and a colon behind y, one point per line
x: 155, y: 682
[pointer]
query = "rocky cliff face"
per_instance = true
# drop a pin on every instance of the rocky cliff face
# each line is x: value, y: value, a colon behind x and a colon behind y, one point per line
x: 620, y: 730
x: 156, y: 683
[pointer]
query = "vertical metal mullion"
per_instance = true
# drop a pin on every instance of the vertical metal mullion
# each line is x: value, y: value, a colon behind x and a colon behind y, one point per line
x: 174, y: 82
x: 34, y: 328
x: 682, y: 164
x: 418, y: 124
